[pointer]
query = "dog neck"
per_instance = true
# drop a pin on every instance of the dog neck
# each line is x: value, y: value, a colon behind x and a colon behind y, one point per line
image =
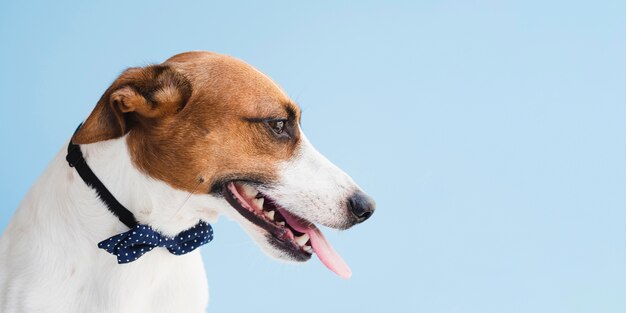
x: 62, y: 220
x: 153, y: 202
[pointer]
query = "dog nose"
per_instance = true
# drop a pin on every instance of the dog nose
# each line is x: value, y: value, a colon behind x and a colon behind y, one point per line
x: 361, y: 205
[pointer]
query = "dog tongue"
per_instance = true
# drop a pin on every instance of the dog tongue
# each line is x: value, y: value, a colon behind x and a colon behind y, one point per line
x: 322, y: 248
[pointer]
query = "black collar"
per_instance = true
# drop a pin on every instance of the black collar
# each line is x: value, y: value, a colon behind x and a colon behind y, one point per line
x: 76, y: 160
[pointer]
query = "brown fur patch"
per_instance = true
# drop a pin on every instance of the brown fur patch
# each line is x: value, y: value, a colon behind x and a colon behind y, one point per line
x: 196, y: 120
x: 138, y: 90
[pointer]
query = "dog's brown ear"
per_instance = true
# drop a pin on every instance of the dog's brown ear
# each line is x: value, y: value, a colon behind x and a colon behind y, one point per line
x: 139, y: 94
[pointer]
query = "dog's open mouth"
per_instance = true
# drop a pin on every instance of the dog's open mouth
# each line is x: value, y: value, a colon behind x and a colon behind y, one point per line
x: 293, y: 235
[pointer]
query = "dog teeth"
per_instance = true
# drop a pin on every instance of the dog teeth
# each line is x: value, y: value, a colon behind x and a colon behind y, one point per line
x: 301, y: 240
x: 259, y: 202
x: 270, y: 215
x: 308, y: 248
x: 249, y: 191
x: 281, y: 223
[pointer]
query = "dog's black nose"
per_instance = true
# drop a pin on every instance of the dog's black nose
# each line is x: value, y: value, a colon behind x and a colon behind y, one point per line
x: 361, y: 205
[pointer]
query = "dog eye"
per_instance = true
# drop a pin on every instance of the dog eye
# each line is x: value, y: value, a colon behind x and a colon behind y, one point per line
x: 277, y: 126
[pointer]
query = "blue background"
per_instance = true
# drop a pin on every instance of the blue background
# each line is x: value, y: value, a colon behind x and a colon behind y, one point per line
x: 491, y: 133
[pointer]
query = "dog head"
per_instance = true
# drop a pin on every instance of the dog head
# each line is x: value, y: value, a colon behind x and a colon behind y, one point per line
x: 212, y: 125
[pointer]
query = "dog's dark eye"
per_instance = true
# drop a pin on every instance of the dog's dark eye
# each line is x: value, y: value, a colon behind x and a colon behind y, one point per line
x: 278, y: 126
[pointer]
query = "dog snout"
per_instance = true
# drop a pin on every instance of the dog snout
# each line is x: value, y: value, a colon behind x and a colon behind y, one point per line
x: 361, y: 206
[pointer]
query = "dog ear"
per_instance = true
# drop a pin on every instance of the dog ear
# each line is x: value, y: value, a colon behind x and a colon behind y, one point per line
x: 139, y: 94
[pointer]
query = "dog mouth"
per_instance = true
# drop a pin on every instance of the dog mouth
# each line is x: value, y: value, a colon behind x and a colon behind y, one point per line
x: 291, y: 234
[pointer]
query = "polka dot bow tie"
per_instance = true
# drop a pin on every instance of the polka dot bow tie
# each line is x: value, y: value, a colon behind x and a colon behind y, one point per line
x: 133, y: 244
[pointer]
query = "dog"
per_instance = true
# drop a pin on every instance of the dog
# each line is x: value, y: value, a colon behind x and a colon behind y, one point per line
x: 176, y: 144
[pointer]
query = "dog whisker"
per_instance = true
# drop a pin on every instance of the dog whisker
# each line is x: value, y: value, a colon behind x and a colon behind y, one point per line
x: 186, y: 199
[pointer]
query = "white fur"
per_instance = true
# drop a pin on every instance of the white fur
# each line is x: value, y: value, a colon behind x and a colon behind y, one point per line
x: 49, y: 260
x: 313, y: 187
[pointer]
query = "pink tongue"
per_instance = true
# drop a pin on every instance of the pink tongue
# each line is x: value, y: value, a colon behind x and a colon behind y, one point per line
x: 322, y: 248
